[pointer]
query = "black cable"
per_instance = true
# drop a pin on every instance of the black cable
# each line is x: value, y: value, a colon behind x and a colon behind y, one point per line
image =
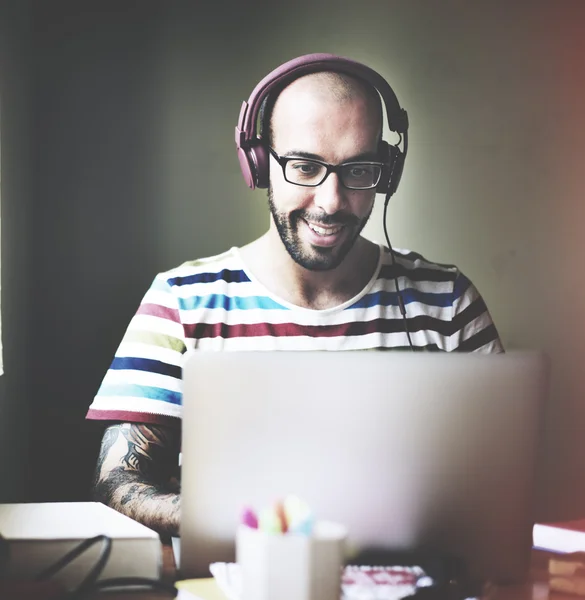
x: 90, y: 583
x: 78, y: 551
x: 97, y: 569
x: 394, y: 271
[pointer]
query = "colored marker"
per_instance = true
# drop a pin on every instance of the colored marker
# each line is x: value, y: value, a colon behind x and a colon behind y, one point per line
x: 249, y: 518
x: 269, y: 522
x: 299, y: 516
x: 279, y: 511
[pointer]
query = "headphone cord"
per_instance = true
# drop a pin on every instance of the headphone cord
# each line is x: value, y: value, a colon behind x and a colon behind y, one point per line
x: 394, y: 270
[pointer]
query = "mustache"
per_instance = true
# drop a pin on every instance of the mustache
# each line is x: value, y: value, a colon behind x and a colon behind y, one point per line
x: 339, y: 218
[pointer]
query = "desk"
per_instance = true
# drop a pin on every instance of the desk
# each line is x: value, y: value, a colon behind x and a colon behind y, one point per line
x: 537, y: 586
x: 535, y: 589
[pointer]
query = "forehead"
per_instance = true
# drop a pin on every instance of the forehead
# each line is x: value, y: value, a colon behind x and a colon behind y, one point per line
x: 312, y: 116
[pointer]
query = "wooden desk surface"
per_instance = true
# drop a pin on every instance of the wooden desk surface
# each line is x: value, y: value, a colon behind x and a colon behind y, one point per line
x: 535, y: 589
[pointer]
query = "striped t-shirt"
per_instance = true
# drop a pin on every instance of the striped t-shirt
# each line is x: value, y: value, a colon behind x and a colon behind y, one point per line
x: 216, y: 304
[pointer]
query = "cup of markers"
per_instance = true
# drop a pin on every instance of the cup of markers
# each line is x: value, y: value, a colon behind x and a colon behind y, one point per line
x: 285, y: 554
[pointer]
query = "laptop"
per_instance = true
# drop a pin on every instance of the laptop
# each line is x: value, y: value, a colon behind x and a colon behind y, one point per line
x: 410, y: 451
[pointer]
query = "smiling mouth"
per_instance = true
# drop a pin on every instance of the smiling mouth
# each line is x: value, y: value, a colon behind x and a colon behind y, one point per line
x: 324, y: 231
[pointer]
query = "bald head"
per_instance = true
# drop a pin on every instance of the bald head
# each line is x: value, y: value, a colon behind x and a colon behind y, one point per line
x: 325, y: 88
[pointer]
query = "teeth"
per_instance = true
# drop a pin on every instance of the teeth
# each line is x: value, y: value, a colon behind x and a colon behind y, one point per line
x: 322, y: 231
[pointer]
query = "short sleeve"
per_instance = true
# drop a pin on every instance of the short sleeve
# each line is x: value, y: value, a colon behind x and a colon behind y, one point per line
x: 472, y: 325
x: 143, y: 383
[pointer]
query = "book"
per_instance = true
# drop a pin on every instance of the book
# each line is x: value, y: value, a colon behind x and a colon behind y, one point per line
x: 566, y: 574
x: 561, y: 537
x: 39, y: 534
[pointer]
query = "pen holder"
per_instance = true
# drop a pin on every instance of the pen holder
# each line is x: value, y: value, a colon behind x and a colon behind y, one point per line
x: 291, y: 566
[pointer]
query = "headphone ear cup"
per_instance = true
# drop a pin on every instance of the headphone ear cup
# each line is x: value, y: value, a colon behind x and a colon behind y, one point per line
x: 396, y: 174
x: 393, y: 158
x: 247, y: 167
x: 262, y: 161
x: 254, y: 163
x: 384, y: 156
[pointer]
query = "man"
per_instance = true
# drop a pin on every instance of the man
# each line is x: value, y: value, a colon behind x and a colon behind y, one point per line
x: 311, y: 282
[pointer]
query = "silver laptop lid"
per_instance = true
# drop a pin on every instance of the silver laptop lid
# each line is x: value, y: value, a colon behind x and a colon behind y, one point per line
x: 407, y: 450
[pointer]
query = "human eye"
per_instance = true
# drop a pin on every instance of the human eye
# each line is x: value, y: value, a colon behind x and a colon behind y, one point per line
x: 360, y: 171
x: 305, y: 168
x: 304, y: 171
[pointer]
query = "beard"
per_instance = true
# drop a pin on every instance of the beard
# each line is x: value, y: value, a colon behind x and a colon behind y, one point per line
x: 315, y: 258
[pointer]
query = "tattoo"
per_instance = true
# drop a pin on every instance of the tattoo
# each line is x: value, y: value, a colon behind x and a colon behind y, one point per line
x: 128, y: 492
x: 129, y: 495
x: 147, y: 451
x: 139, y: 476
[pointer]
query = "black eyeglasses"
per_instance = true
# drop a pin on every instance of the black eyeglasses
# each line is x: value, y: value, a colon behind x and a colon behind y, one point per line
x: 359, y: 175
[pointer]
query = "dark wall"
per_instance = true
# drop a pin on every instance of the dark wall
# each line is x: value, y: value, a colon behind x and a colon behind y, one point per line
x: 96, y: 107
x: 16, y: 179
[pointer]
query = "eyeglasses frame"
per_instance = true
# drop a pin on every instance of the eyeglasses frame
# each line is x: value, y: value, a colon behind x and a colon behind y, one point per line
x: 283, y: 161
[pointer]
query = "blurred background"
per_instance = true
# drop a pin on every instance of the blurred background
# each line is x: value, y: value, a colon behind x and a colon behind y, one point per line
x: 118, y: 161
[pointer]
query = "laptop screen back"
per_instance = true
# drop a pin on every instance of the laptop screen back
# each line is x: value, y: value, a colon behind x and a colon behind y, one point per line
x: 407, y: 450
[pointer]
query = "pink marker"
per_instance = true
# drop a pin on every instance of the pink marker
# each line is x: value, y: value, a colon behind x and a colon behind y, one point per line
x: 249, y: 518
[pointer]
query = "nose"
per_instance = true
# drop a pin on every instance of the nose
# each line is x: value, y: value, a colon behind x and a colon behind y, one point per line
x: 330, y: 196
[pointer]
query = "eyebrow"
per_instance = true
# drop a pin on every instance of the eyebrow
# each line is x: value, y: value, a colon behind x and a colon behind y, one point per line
x: 369, y: 156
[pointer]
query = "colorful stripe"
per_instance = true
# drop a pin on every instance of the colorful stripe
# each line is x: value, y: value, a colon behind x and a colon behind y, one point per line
x: 140, y: 391
x: 145, y: 364
x: 214, y: 305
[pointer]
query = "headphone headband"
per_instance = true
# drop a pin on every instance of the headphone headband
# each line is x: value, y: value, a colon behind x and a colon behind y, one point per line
x: 252, y: 153
x: 313, y: 63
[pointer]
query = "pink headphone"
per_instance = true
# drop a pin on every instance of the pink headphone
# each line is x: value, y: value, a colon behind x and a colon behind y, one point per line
x: 252, y: 151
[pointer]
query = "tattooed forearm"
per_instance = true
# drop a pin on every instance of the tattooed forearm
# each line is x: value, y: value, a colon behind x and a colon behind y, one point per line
x: 137, y: 474
x: 148, y: 503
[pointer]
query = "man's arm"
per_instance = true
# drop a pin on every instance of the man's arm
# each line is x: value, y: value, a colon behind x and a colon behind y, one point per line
x: 137, y: 474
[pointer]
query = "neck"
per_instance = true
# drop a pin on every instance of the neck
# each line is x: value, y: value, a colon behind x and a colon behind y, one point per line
x: 305, y: 288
